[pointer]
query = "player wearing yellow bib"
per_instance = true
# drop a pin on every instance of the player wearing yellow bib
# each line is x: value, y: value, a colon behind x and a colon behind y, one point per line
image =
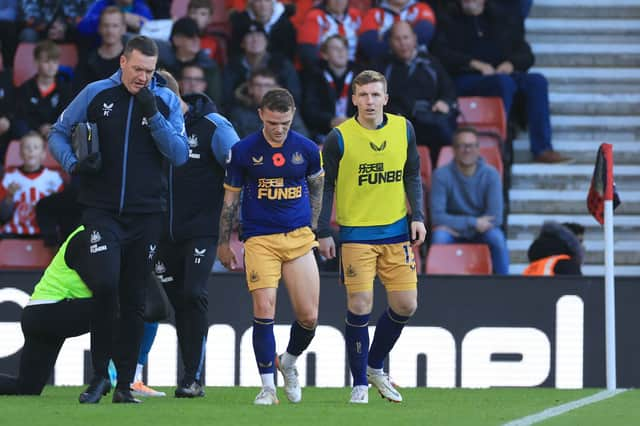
x: 372, y: 167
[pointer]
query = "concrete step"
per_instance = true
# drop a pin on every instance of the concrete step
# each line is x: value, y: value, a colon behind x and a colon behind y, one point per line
x: 626, y: 252
x: 626, y: 78
x: 580, y: 38
x: 590, y: 103
x: 561, y: 30
x: 583, y: 151
x: 603, y: 127
x: 564, y: 202
x: 587, y: 54
x: 569, y: 176
x: 585, y: 9
x: 527, y: 226
x: 588, y: 270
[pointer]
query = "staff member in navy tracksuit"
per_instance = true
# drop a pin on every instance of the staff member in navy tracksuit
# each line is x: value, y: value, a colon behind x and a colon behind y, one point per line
x: 140, y: 125
x: 188, y: 250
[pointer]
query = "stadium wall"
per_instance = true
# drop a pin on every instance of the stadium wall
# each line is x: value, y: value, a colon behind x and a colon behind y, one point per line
x: 468, y: 332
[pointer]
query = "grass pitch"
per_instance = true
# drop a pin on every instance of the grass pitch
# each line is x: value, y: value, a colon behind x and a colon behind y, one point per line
x: 321, y: 406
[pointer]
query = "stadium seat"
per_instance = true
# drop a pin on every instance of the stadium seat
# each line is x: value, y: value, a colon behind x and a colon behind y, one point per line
x: 425, y: 166
x: 485, y: 114
x: 12, y: 157
x: 490, y: 153
x: 459, y: 259
x: 24, y: 254
x: 24, y: 66
x: 179, y: 10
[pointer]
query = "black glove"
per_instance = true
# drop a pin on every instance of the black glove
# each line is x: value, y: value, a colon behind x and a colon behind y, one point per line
x: 89, y: 166
x: 147, y: 101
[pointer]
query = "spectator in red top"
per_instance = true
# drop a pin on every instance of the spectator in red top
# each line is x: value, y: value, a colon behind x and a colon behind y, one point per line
x: 373, y: 43
x: 329, y: 18
x: 201, y: 11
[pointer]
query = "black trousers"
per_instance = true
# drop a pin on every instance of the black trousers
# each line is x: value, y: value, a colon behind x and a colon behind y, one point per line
x: 121, y: 250
x: 45, y: 327
x: 184, y: 268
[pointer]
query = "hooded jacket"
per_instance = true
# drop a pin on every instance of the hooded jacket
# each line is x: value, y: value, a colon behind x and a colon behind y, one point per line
x: 555, y: 239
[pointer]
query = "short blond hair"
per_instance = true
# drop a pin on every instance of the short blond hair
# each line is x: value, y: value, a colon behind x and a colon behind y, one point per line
x: 367, y: 77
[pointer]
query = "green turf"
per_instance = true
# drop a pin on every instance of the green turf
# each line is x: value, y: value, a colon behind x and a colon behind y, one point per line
x: 320, y: 406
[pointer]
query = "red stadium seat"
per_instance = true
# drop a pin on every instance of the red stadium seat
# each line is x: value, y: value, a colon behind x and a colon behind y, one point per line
x: 24, y: 66
x: 12, y: 157
x: 425, y: 165
x: 490, y: 153
x: 484, y: 114
x: 24, y: 254
x: 179, y: 9
x: 459, y: 259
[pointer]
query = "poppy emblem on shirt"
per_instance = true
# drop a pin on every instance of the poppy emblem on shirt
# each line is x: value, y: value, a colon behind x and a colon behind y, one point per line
x: 278, y: 159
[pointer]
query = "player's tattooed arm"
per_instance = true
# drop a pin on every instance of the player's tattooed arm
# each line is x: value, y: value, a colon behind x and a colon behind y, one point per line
x: 228, y: 215
x: 316, y: 186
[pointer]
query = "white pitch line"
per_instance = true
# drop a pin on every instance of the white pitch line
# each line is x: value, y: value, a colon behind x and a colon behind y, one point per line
x: 561, y: 409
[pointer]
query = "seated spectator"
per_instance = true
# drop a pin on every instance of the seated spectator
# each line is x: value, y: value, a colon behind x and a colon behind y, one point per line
x: 192, y: 80
x: 51, y: 19
x: 327, y: 100
x: 486, y: 54
x: 22, y: 188
x: 9, y: 13
x: 420, y: 89
x: 244, y: 115
x: 185, y: 50
x: 41, y: 99
x: 373, y: 43
x: 103, y: 61
x: 136, y: 13
x: 7, y: 107
x: 254, y: 56
x: 274, y: 18
x: 557, y: 250
x: 466, y: 201
x: 329, y: 18
x: 201, y: 11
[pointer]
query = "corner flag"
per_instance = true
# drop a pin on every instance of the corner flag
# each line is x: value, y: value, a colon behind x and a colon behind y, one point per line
x: 602, y: 185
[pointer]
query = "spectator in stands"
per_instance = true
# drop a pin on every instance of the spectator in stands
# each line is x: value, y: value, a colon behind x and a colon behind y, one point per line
x: 486, y: 53
x: 557, y: 250
x: 192, y: 80
x: 373, y: 43
x: 466, y: 201
x: 136, y: 13
x: 275, y: 19
x: 7, y: 108
x: 22, y: 188
x: 244, y: 113
x: 185, y: 50
x: 9, y: 14
x: 255, y: 55
x: 41, y: 99
x: 329, y: 18
x: 327, y: 100
x: 103, y: 61
x: 420, y: 89
x: 51, y: 19
x: 201, y: 11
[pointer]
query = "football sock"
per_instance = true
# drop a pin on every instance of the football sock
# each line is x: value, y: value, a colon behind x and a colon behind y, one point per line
x: 357, y: 340
x: 299, y: 338
x: 388, y: 330
x: 264, y: 345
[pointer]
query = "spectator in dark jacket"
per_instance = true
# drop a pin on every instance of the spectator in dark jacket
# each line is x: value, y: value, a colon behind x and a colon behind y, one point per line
x: 103, y: 61
x: 41, y: 99
x: 557, y: 250
x: 327, y: 91
x: 274, y: 18
x: 7, y: 107
x: 486, y: 53
x: 420, y: 89
x: 255, y: 55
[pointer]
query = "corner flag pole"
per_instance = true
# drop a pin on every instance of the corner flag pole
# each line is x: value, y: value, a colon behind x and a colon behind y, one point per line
x: 609, y: 278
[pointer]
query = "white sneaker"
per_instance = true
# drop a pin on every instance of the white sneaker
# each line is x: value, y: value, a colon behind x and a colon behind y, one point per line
x: 291, y: 384
x: 267, y: 396
x: 359, y: 395
x: 384, y: 385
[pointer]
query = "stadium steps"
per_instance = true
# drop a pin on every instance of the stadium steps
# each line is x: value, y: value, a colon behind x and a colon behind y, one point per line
x: 589, y: 51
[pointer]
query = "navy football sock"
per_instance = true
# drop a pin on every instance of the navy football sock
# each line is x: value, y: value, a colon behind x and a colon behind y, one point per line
x: 264, y: 344
x: 357, y: 340
x: 388, y: 330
